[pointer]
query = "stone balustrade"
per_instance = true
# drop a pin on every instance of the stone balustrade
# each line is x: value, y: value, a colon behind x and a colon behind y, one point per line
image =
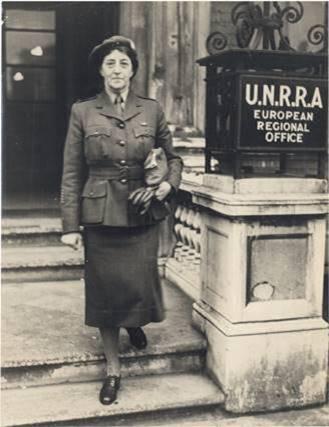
x: 183, y: 268
x: 187, y: 232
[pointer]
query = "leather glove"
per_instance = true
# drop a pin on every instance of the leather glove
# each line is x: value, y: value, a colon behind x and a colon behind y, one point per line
x: 142, y: 198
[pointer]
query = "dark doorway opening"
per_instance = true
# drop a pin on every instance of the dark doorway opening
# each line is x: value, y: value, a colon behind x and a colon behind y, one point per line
x: 45, y: 68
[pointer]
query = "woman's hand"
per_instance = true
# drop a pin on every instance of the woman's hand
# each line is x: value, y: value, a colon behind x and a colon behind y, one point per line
x: 74, y: 240
x: 163, y: 190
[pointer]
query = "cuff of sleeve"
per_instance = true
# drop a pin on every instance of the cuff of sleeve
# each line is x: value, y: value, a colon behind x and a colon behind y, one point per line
x: 70, y: 226
x: 172, y: 193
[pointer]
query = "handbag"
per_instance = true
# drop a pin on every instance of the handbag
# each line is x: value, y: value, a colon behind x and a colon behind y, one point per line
x: 155, y: 171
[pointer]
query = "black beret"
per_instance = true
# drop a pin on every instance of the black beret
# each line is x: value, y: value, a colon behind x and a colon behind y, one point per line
x: 98, y: 53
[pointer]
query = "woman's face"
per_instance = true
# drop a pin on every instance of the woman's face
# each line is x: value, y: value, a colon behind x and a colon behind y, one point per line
x: 116, y: 70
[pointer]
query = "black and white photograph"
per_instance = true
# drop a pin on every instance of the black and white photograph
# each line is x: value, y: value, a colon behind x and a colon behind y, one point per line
x: 164, y: 214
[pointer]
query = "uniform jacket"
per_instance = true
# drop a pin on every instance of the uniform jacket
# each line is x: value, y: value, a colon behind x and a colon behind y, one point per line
x: 103, y: 161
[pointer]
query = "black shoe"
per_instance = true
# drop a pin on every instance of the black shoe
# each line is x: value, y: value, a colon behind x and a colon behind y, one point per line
x: 108, y: 392
x: 137, y: 338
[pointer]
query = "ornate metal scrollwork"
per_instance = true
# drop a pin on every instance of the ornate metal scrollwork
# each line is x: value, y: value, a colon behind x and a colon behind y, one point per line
x: 246, y: 17
x: 317, y: 35
x: 291, y: 13
x: 216, y: 42
x: 256, y: 24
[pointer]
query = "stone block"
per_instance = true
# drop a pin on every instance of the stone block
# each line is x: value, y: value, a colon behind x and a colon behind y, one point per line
x: 260, y: 269
x: 262, y: 266
x: 284, y: 366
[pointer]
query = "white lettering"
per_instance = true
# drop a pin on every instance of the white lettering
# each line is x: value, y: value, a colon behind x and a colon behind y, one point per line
x: 284, y: 94
x: 268, y: 125
x: 296, y: 115
x: 302, y: 127
x: 251, y: 100
x: 269, y: 136
x: 316, y: 100
x: 280, y: 115
x: 283, y: 115
x: 292, y: 137
x: 276, y: 126
x: 268, y: 94
x: 301, y: 93
x: 277, y: 136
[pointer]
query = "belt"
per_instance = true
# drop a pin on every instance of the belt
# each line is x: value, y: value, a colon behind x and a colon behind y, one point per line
x: 117, y: 173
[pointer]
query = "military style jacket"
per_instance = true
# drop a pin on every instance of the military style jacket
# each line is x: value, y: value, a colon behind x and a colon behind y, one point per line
x: 103, y: 161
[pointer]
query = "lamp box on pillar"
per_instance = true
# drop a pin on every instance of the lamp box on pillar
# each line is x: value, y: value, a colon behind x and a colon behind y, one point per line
x: 265, y: 203
x: 264, y: 115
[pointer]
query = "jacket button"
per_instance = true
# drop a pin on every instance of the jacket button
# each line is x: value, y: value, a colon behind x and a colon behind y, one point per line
x: 122, y: 162
x: 91, y: 193
x: 122, y: 143
x: 121, y: 125
x: 123, y: 181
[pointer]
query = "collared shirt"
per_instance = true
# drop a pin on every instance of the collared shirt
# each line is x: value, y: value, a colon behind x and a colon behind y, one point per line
x: 124, y: 95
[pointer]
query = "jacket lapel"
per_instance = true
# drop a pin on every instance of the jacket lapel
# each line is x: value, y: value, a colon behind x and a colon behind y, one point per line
x: 105, y: 106
x: 132, y: 106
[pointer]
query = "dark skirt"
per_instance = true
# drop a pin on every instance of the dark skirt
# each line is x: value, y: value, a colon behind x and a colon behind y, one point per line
x: 122, y: 284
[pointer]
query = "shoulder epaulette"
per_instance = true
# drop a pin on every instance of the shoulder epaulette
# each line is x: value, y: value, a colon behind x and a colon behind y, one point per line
x: 145, y: 97
x: 78, y: 101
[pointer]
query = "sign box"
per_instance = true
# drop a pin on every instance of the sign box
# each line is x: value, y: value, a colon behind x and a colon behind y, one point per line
x: 281, y: 114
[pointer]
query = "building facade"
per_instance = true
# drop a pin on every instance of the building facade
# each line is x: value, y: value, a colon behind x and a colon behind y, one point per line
x: 45, y: 69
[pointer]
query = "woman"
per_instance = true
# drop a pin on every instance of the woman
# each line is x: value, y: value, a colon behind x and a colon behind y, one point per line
x: 108, y: 140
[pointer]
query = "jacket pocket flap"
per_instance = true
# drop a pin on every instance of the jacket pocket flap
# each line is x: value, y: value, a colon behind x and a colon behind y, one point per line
x: 93, y: 190
x: 97, y: 131
x: 144, y: 131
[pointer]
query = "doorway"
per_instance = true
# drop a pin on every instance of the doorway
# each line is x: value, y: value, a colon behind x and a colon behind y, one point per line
x: 45, y: 69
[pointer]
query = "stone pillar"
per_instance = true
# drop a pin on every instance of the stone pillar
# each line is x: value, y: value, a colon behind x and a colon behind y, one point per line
x: 263, y: 242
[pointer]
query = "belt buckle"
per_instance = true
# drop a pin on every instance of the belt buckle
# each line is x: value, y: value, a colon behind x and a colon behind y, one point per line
x: 123, y: 172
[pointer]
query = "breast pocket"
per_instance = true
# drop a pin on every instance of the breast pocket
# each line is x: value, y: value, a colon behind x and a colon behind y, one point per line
x: 145, y: 137
x: 97, y: 144
x: 93, y: 202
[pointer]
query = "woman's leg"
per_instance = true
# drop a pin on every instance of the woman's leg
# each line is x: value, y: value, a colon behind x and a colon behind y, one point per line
x: 110, y: 337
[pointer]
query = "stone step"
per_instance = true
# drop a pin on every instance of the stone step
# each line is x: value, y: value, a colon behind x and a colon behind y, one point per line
x: 45, y: 340
x: 48, y: 263
x: 31, y: 231
x: 216, y: 416
x: 69, y: 403
x: 31, y: 264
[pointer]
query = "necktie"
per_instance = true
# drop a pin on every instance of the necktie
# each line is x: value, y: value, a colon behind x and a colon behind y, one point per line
x: 119, y: 104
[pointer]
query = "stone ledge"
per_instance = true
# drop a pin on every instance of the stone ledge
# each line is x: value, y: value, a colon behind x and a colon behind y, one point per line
x: 268, y: 186
x: 72, y: 402
x: 29, y: 257
x: 261, y: 204
x: 257, y: 328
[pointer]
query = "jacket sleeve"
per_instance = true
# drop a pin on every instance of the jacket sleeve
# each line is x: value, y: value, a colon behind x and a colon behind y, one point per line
x: 164, y: 140
x: 73, y: 174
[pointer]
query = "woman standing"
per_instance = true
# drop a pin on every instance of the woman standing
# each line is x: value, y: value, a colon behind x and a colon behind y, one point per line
x: 108, y: 141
